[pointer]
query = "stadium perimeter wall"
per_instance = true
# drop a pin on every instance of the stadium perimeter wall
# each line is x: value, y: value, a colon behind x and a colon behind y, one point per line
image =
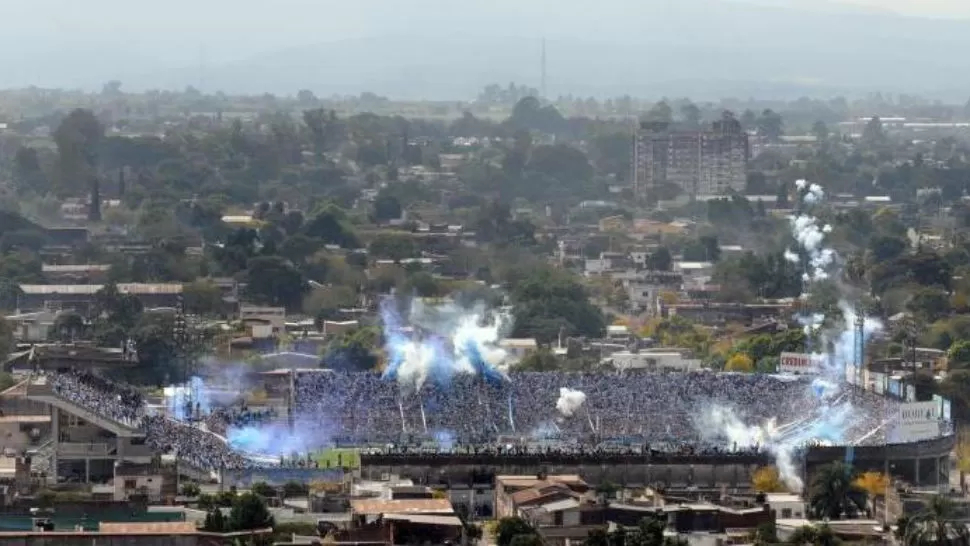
x: 923, y: 464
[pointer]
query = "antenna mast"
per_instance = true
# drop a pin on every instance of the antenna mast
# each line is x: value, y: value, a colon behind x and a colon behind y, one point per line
x: 542, y: 83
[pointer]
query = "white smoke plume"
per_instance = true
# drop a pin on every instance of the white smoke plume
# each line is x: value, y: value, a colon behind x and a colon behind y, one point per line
x: 814, y: 194
x: 570, y: 400
x: 439, y: 342
x: 720, y: 423
x: 810, y: 236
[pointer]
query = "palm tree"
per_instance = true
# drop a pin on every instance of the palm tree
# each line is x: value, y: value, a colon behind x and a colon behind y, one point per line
x: 812, y: 535
x: 833, y: 493
x: 935, y: 525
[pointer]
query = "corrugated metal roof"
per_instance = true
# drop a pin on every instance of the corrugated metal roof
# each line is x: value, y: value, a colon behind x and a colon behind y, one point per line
x: 91, y: 289
x: 451, y: 521
x: 158, y: 527
x: 376, y: 506
x: 559, y: 506
x: 532, y: 481
x: 74, y: 268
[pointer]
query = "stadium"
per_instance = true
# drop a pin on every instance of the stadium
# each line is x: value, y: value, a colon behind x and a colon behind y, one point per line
x: 679, y: 429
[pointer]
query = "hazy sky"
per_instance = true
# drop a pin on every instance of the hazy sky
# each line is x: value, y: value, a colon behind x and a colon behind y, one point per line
x: 929, y: 8
x: 84, y: 43
x: 176, y: 31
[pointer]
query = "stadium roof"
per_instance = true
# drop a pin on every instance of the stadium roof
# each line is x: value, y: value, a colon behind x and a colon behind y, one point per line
x: 402, y: 506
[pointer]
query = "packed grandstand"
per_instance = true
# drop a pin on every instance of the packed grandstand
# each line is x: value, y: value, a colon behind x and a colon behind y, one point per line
x: 654, y: 411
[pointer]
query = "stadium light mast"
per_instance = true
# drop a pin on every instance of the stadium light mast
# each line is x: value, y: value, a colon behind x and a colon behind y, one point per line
x: 181, y: 355
x: 860, y: 343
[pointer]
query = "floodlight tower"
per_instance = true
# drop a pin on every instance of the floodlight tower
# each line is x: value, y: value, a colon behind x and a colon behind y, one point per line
x: 860, y: 343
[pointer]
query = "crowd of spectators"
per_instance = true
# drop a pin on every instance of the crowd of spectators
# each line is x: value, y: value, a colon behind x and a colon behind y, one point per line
x: 198, y: 447
x: 220, y: 419
x: 634, y: 412
x: 663, y: 410
x: 117, y: 401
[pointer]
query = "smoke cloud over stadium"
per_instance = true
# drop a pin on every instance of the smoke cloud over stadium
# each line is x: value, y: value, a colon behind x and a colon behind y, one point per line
x: 439, y: 342
x: 826, y: 420
x: 570, y: 400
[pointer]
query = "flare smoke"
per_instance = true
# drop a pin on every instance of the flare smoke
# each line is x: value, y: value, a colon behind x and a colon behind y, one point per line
x: 439, y: 342
x: 570, y: 400
x: 810, y: 236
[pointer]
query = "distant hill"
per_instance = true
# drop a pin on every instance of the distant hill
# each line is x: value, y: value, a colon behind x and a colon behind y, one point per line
x: 702, y: 48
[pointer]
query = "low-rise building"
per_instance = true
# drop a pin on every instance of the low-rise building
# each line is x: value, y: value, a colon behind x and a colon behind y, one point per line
x: 81, y: 297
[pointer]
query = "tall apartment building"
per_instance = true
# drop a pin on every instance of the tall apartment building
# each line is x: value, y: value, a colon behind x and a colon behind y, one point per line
x: 710, y: 161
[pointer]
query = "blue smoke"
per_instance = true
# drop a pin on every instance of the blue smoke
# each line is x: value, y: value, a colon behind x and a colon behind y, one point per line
x: 445, y: 440
x: 276, y: 439
x: 183, y: 400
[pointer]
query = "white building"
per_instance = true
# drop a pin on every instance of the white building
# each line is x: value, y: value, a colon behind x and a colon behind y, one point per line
x: 654, y: 361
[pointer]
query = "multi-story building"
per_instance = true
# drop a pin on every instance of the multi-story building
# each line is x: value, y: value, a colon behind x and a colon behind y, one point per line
x: 710, y: 161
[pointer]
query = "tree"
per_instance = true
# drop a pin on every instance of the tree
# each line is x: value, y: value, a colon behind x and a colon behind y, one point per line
x: 873, y: 133
x: 154, y: 340
x: 386, y: 207
x: 873, y: 483
x: 510, y: 527
x: 691, y: 114
x: 392, y: 246
x: 814, y: 535
x: 295, y: 489
x: 292, y: 222
x: 330, y: 225
x: 538, y: 361
x: 548, y: 301
x: 422, y: 284
x: 886, y: 247
x: 305, y: 96
x: 767, y: 480
x: 122, y: 310
x: 929, y: 304
x: 263, y: 490
x: 566, y: 164
x: 821, y: 131
x: 68, y: 326
x: 274, y: 281
x: 704, y: 249
x: 659, y: 260
x: 190, y: 489
x: 28, y: 176
x: 740, y: 362
x: 529, y: 114
x: 78, y: 139
x: 660, y: 112
x: 6, y: 338
x: 938, y: 524
x: 215, y: 521
x: 353, y: 351
x: 770, y: 125
x: 202, y: 297
x: 249, y: 513
x: 959, y: 355
x: 834, y: 494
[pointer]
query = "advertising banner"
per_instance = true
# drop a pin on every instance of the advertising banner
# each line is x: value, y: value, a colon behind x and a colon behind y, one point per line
x: 797, y: 363
x: 917, y: 421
